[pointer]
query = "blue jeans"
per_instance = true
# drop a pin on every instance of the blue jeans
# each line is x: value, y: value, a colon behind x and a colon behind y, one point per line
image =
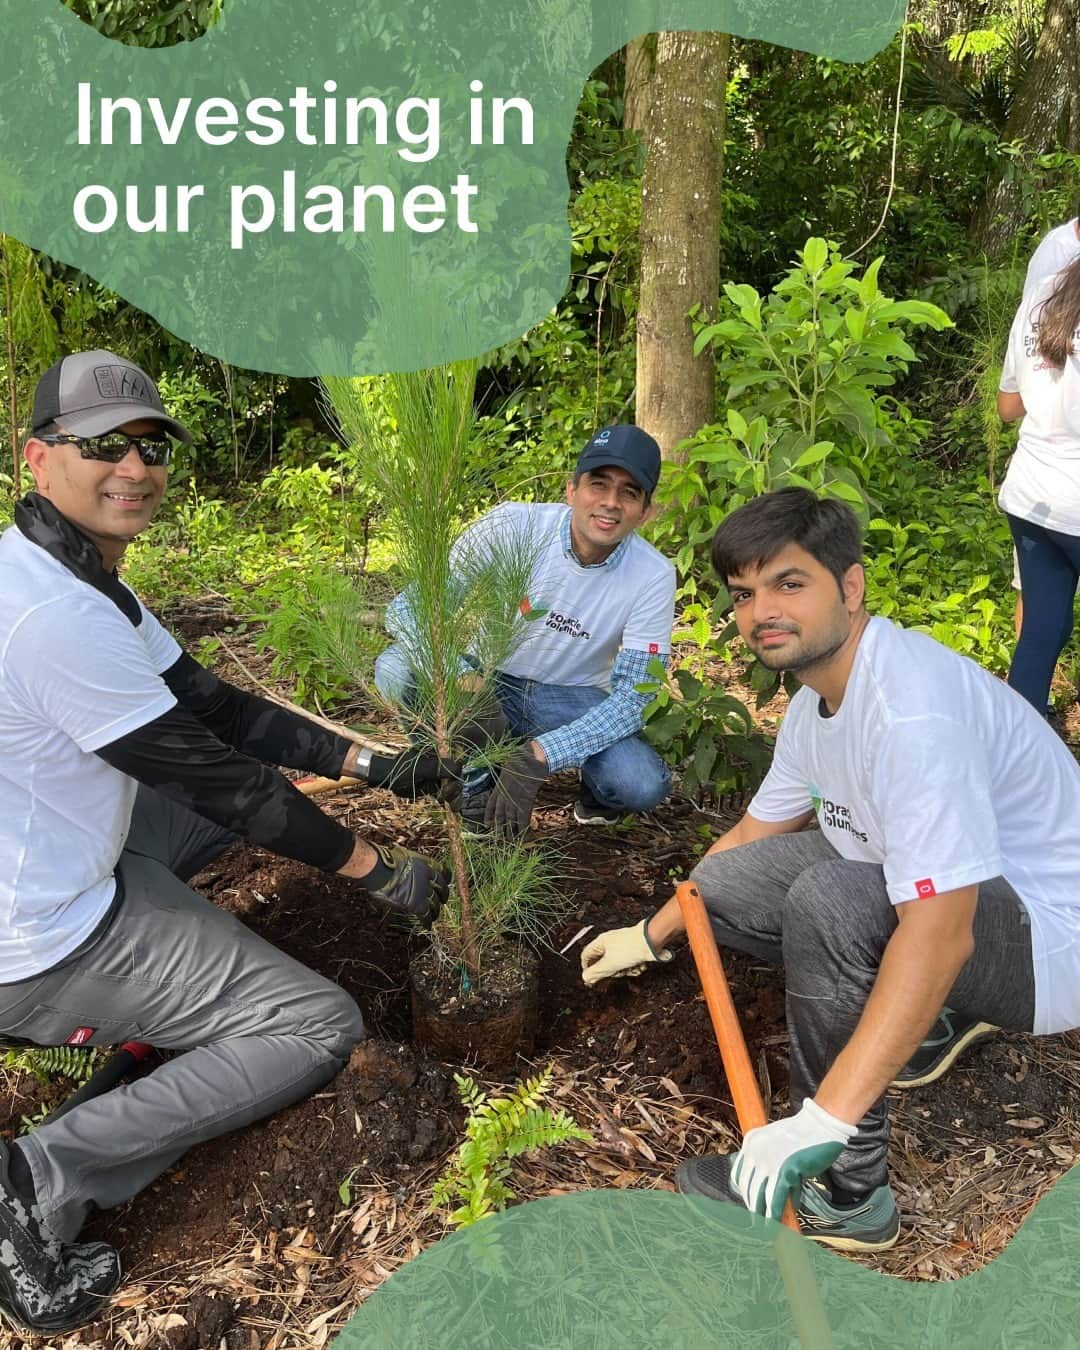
x: 627, y: 776
x: 1049, y: 568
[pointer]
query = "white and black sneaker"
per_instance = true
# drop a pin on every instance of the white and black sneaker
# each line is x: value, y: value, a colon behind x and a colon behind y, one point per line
x: 948, y: 1038
x: 588, y: 811
x: 47, y: 1286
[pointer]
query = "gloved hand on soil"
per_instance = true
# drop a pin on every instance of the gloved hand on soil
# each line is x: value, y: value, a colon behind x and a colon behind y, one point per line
x: 620, y: 951
x: 509, y: 808
x: 777, y: 1158
x: 407, y: 882
x: 414, y: 773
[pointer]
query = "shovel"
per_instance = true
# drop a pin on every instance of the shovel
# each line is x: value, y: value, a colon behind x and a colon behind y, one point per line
x: 811, y: 1322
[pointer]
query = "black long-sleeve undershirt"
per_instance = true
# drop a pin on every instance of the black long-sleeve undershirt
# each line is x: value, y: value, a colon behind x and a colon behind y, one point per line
x: 212, y: 753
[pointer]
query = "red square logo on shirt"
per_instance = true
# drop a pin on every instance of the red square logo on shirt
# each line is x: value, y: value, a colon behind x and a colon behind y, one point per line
x: 925, y: 888
x: 654, y: 648
x: 80, y: 1036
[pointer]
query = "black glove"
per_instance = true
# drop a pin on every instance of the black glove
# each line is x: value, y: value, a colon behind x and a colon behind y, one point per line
x: 413, y: 773
x: 484, y: 730
x: 510, y: 805
x: 407, y: 882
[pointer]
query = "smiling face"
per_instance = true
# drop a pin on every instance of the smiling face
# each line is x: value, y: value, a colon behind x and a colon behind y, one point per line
x: 792, y: 614
x: 110, y: 503
x: 605, y: 506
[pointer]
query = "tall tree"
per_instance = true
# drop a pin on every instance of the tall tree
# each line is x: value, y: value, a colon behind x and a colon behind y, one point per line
x: 1035, y: 116
x: 676, y: 83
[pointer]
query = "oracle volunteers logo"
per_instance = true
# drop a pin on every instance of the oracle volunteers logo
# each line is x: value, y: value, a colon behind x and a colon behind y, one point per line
x: 925, y: 888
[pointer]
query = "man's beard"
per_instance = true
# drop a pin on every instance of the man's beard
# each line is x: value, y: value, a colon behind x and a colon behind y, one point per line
x: 806, y: 657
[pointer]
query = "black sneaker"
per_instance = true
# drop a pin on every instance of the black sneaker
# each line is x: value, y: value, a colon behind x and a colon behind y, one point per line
x: 870, y: 1224
x: 47, y: 1286
x: 588, y: 811
x: 950, y: 1035
x: 473, y: 809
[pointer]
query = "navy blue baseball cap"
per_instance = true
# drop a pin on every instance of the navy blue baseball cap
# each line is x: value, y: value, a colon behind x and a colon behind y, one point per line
x: 627, y: 448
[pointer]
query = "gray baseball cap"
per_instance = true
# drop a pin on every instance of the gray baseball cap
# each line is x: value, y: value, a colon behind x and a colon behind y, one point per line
x: 91, y: 393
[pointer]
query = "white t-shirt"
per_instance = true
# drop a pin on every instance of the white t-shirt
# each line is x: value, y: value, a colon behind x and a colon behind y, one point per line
x: 591, y: 612
x: 1043, y: 480
x: 945, y: 777
x: 75, y: 675
x: 1055, y: 251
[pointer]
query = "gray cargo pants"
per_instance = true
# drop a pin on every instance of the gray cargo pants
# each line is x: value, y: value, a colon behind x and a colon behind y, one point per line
x: 259, y: 1029
x: 793, y: 900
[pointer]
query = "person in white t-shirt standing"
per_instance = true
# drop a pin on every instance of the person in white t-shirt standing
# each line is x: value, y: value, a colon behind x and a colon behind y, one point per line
x: 125, y: 767
x: 1055, y: 250
x: 942, y: 883
x: 607, y: 602
x: 1040, y: 495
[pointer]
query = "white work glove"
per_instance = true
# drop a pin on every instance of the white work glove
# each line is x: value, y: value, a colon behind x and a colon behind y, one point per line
x: 776, y: 1159
x: 620, y: 951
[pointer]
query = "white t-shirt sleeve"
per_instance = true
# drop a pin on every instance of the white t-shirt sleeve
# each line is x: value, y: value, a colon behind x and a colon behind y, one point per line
x: 648, y: 627
x: 785, y: 792
x: 87, y: 671
x: 1008, y: 383
x: 931, y: 791
x: 161, y: 647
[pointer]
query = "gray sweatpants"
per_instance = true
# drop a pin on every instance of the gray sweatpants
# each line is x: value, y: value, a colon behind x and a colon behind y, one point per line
x: 259, y: 1029
x: 792, y: 900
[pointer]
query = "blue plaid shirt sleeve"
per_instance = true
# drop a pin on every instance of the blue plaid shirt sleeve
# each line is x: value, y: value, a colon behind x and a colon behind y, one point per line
x: 617, y: 717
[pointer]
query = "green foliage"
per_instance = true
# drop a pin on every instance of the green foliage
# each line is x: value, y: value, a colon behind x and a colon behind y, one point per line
x: 803, y: 369
x: 705, y: 732
x: 148, y: 23
x: 323, y: 629
x: 497, y: 1130
x: 415, y: 431
x: 54, y: 1061
x: 516, y: 895
x: 934, y: 572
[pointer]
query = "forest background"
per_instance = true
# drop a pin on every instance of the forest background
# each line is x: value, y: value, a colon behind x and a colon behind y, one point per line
x: 815, y: 286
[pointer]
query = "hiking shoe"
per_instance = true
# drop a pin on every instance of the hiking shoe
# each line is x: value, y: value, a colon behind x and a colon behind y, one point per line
x: 588, y: 811
x: 473, y: 809
x: 870, y: 1224
x: 950, y: 1035
x: 45, y: 1285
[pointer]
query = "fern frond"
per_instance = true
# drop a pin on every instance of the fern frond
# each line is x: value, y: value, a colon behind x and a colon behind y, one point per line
x: 497, y: 1130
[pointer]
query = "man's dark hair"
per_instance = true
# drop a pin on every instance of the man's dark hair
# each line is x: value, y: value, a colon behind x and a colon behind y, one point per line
x: 754, y: 534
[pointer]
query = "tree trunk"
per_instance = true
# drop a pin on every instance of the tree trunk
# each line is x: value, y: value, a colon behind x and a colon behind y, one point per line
x: 640, y: 56
x: 682, y: 113
x: 1034, y: 118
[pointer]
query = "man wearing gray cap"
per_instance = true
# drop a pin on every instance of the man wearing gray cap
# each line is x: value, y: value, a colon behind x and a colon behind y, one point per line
x: 606, y: 602
x: 125, y: 768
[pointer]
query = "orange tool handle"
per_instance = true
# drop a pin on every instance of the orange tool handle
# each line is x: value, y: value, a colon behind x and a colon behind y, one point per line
x: 742, y: 1081
x: 311, y: 787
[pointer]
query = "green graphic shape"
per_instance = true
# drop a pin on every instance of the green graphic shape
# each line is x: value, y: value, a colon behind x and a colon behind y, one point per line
x: 602, y: 1270
x: 297, y: 200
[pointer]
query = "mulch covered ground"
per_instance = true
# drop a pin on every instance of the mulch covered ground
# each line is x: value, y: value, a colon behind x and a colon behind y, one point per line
x: 269, y: 1238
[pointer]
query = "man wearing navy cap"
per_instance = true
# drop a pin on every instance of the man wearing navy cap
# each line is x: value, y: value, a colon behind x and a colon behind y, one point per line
x: 607, y: 602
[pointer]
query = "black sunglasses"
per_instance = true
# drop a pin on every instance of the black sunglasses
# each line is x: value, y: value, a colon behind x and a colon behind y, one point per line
x: 154, y: 450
